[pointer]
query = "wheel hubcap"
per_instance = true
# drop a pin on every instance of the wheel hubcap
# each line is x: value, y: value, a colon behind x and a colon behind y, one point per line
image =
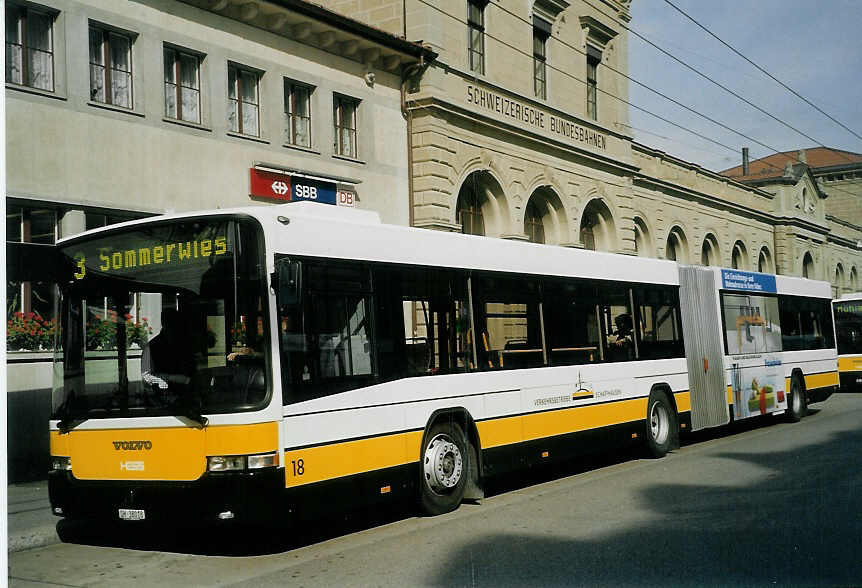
x: 659, y: 423
x: 795, y: 397
x: 443, y: 464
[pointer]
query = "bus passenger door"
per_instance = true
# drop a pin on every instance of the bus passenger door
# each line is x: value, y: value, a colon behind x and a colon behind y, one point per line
x: 704, y: 350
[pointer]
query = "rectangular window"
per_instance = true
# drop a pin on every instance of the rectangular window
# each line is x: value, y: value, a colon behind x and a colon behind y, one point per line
x: 508, y: 324
x: 326, y: 340
x: 344, y: 119
x: 594, y: 58
x: 110, y: 67
x: 806, y: 323
x: 30, y: 305
x: 541, y: 32
x: 243, y: 101
x: 419, y: 318
x: 476, y: 36
x: 617, y: 324
x: 29, y: 47
x: 659, y: 330
x: 751, y: 324
x: 571, y: 314
x: 297, y: 112
x: 182, y: 85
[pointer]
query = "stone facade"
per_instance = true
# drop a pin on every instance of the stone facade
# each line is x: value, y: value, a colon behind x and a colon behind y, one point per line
x: 542, y: 168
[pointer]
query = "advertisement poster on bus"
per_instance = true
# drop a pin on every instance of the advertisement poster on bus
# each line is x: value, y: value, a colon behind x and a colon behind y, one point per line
x: 758, y: 389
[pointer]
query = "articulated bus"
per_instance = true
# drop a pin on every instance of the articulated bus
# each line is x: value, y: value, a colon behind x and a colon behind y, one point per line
x: 304, y: 356
x: 848, y: 329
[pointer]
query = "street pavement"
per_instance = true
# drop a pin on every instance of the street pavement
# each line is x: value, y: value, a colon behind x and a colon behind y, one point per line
x: 31, y: 523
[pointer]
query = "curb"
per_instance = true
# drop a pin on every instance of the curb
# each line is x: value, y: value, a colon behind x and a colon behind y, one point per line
x: 37, y: 537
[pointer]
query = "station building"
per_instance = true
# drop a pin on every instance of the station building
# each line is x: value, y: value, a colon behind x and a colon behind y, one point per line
x: 507, y: 119
x: 520, y: 130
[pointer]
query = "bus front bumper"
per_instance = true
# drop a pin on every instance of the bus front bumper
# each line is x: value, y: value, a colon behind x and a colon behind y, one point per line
x: 239, y: 496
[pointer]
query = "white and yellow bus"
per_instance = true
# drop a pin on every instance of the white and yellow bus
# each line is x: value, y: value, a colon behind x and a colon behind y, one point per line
x: 305, y: 356
x: 848, y: 330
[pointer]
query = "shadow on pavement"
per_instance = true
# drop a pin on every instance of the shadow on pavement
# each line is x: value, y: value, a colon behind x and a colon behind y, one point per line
x: 800, y: 524
x: 232, y: 540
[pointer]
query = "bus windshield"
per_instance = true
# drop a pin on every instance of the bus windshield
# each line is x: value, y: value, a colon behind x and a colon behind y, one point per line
x: 848, y: 326
x: 163, y: 319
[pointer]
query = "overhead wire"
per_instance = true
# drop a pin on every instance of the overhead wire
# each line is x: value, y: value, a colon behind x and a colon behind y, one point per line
x: 620, y: 99
x: 723, y: 87
x: 762, y: 70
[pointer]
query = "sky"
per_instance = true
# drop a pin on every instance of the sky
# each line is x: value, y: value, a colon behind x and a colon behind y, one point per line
x: 814, y: 47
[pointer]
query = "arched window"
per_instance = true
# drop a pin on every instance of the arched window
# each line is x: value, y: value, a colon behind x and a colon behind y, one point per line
x: 676, y: 248
x: 807, y: 266
x: 598, y: 231
x: 709, y: 254
x: 739, y: 257
x: 764, y: 261
x: 838, y: 281
x: 469, y: 214
x: 533, y: 227
x: 854, y: 280
x: 643, y: 240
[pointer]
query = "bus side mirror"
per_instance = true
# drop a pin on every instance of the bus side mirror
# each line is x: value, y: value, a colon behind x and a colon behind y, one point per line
x: 288, y: 283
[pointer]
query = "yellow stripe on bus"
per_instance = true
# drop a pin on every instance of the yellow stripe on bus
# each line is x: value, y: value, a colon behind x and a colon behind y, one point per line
x: 814, y: 381
x: 683, y: 401
x: 850, y: 364
x: 325, y: 462
x: 821, y: 380
x: 177, y: 453
x: 509, y: 430
x: 337, y: 460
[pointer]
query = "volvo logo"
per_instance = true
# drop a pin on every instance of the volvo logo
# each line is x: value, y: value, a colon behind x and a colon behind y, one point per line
x: 132, y: 445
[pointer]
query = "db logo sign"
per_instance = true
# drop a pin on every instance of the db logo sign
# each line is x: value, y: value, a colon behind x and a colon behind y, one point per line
x: 346, y: 198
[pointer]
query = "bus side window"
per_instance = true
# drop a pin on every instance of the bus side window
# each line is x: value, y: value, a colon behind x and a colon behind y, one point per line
x: 659, y: 330
x: 416, y: 321
x: 508, y: 328
x: 571, y: 323
x: 336, y: 351
x: 617, y: 324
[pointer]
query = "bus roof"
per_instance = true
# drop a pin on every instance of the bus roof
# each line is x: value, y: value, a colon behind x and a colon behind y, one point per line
x: 318, y: 230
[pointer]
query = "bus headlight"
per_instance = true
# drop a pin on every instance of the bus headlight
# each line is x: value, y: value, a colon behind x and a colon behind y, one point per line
x: 225, y: 463
x: 266, y: 460
x: 235, y: 463
x: 61, y: 463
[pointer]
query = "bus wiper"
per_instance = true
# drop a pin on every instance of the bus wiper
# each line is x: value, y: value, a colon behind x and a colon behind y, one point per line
x: 67, y: 423
x: 197, y: 419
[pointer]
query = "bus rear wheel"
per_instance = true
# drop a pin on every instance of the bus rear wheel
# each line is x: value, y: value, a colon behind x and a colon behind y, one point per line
x: 660, y: 424
x: 445, y: 468
x: 796, y: 406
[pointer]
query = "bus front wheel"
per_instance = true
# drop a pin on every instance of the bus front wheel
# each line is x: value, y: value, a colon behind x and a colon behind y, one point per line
x: 660, y: 424
x: 445, y: 468
x: 796, y: 408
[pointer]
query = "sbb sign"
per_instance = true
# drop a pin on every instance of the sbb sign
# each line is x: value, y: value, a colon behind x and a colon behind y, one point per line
x: 287, y: 188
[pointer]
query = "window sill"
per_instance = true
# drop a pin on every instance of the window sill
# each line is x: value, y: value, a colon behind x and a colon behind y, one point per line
x: 300, y: 148
x: 34, y: 91
x: 247, y: 137
x: 185, y: 123
x: 113, y: 108
x: 346, y: 158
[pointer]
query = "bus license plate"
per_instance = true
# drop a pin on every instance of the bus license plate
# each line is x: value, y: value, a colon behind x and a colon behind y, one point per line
x: 132, y: 514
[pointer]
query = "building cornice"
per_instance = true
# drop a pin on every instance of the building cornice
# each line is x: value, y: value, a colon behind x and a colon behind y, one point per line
x: 321, y: 28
